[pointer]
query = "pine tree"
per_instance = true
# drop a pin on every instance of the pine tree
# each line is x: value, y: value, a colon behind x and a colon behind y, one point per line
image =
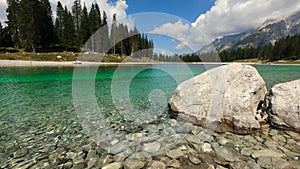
x: 12, y: 16
x: 77, y: 14
x: 59, y: 23
x: 105, y: 40
x: 98, y: 16
x: 46, y: 23
x: 28, y: 24
x: 5, y: 38
x: 113, y: 34
x: 84, y: 26
x: 69, y: 40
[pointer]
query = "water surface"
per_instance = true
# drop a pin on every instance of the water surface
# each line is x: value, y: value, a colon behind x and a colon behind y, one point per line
x: 38, y: 100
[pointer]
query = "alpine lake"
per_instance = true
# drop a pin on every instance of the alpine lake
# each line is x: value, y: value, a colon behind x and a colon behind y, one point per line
x: 42, y: 126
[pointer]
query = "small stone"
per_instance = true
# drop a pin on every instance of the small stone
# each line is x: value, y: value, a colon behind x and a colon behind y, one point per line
x: 119, y: 147
x: 115, y: 141
x: 92, y: 154
x: 223, y: 141
x: 272, y: 162
x: 115, y: 165
x: 80, y: 165
x: 294, y: 135
x: 273, y: 132
x: 246, y: 152
x: 123, y: 155
x: 156, y: 165
x: 283, y: 149
x: 205, y: 137
x: 138, y: 135
x: 193, y: 139
x: 253, y: 165
x: 239, y: 165
x: 104, y: 160
x: 279, y: 138
x: 70, y: 155
x: 250, y: 139
x: 210, y: 166
x: 194, y: 159
x: 142, y: 156
x: 152, y: 148
x: 175, y: 154
x: 207, y: 147
x: 68, y: 164
x: 133, y: 164
x: 196, y: 130
x: 259, y: 139
x: 220, y: 167
x: 21, y: 153
x: 271, y: 144
x: 228, y: 154
x: 25, y: 164
x: 266, y: 153
x: 174, y: 163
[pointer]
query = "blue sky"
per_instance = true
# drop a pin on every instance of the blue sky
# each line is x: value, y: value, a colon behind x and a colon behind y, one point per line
x: 189, y: 10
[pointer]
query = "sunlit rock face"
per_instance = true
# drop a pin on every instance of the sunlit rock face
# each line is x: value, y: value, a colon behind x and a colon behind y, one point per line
x: 285, y: 102
x: 225, y: 98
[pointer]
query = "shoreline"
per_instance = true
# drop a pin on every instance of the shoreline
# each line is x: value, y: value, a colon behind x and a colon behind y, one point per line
x: 25, y: 63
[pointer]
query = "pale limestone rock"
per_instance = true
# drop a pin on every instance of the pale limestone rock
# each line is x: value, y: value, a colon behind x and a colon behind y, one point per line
x: 285, y: 100
x: 218, y: 95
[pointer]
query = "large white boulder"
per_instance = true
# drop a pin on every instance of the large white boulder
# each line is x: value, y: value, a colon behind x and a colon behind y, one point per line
x: 224, y: 98
x: 285, y: 102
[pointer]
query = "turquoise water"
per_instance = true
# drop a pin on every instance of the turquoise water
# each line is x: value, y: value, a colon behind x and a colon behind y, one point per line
x: 34, y: 98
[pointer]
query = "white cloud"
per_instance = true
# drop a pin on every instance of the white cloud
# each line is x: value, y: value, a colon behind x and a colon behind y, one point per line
x: 233, y: 16
x: 175, y: 30
x: 227, y: 17
x: 3, y: 7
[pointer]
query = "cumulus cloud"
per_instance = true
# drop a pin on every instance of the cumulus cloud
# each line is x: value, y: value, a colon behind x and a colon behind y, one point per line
x: 228, y: 17
x: 3, y: 7
x: 176, y: 31
x: 233, y: 16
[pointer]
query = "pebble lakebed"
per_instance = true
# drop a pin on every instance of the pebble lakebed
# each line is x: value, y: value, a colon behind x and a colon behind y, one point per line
x: 39, y: 129
x: 169, y: 144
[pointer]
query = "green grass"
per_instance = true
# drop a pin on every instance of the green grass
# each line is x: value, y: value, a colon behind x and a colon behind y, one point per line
x: 66, y: 56
x: 69, y: 56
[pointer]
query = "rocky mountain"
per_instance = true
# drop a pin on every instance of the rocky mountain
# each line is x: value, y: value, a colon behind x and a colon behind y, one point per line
x: 270, y: 31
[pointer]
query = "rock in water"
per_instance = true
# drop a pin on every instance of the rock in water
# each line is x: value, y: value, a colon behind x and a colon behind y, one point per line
x: 285, y: 101
x: 225, y: 98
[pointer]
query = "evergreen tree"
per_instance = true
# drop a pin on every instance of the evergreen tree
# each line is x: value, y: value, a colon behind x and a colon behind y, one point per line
x: 104, y: 39
x: 46, y: 23
x: 113, y: 34
x: 77, y: 14
x: 84, y: 26
x: 5, y: 38
x: 59, y: 23
x: 12, y: 16
x: 98, y: 16
x: 28, y: 24
x: 70, y: 39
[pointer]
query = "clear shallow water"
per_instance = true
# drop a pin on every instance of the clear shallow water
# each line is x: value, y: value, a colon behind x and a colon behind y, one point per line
x: 40, y: 98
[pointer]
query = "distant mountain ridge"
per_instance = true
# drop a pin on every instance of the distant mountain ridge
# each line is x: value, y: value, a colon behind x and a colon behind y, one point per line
x: 269, y: 31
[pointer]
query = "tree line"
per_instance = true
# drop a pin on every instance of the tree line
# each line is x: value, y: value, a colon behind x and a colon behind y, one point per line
x: 30, y: 25
x: 284, y: 49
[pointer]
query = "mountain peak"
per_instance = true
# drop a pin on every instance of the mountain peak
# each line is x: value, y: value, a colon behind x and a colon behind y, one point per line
x: 269, y: 32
